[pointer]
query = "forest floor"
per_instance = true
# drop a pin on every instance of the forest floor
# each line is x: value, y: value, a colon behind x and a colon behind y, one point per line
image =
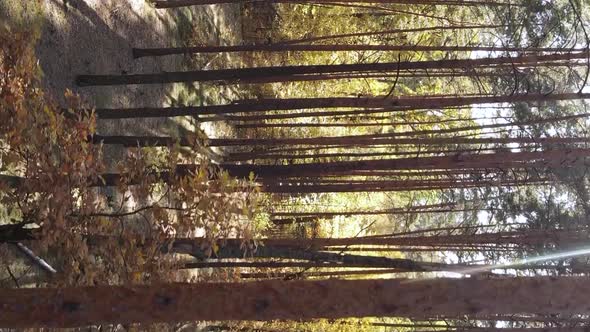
x: 96, y: 37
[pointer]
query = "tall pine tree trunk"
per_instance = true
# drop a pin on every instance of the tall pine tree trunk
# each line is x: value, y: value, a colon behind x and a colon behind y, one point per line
x: 295, y: 300
x: 289, y: 73
x: 186, y: 3
x: 143, y: 52
x: 375, y: 104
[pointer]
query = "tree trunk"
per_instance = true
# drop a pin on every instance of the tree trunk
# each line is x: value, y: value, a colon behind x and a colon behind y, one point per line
x: 233, y: 251
x: 411, y: 209
x: 315, y: 216
x: 294, y: 300
x: 383, y: 105
x: 392, y: 31
x: 195, y: 246
x: 376, y: 123
x: 393, y: 186
x: 246, y: 156
x: 143, y: 52
x: 504, y: 160
x: 344, y: 273
x: 380, y: 139
x: 289, y: 73
x: 185, y: 3
x: 14, y: 233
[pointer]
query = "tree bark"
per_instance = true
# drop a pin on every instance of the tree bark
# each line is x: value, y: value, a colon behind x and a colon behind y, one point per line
x: 14, y: 233
x: 368, y: 139
x: 311, y: 217
x: 294, y: 300
x: 387, y: 139
x: 504, y: 160
x: 288, y: 73
x: 160, y: 4
x: 194, y: 246
x: 344, y: 273
x: 393, y: 186
x: 260, y: 155
x: 392, y: 31
x: 410, y: 209
x: 375, y: 123
x: 233, y: 251
x: 143, y: 52
x: 378, y: 105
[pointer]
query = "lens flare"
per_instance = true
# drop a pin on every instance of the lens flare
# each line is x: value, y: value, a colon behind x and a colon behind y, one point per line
x: 530, y: 260
x: 520, y: 262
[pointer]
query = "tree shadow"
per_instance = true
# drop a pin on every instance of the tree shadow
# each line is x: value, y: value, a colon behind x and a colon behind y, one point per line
x: 96, y: 37
x: 79, y: 39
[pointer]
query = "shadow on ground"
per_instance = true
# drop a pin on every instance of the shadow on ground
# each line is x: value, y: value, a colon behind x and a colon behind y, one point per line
x: 96, y: 37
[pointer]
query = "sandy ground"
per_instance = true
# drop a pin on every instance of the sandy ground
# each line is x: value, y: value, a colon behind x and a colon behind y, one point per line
x: 96, y: 37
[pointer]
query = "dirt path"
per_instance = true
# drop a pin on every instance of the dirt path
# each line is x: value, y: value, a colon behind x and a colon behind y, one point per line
x: 96, y: 37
